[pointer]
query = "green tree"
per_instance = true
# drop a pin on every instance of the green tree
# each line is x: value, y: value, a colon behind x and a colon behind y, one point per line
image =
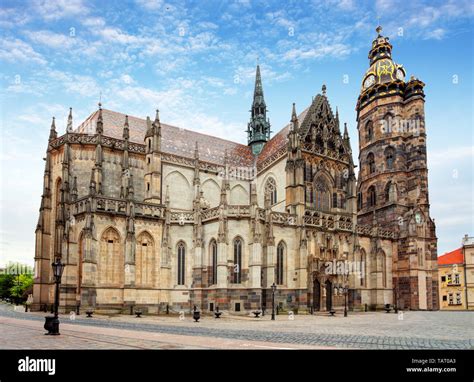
x: 6, y: 282
x: 21, y: 284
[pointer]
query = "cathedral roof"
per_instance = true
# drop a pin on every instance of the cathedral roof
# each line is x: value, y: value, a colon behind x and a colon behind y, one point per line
x: 279, y: 140
x: 175, y: 140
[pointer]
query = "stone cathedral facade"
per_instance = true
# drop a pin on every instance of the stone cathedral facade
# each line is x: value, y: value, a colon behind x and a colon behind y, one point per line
x: 149, y: 215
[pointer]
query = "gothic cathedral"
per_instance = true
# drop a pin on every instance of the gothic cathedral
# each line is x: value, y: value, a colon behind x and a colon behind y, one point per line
x: 149, y: 215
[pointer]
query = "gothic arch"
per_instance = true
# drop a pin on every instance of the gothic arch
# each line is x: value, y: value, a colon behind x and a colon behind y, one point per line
x: 271, y: 190
x: 181, y: 262
x: 239, y: 195
x: 363, y: 267
x: 322, y: 191
x: 281, y: 263
x: 179, y: 190
x: 389, y: 154
x: 213, y: 262
x: 145, y: 260
x: 211, y: 192
x: 238, y: 255
x: 111, y: 259
x: 370, y: 163
x: 369, y: 131
x: 371, y: 196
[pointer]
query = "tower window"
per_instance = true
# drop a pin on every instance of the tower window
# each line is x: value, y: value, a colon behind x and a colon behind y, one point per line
x: 369, y: 131
x: 148, y: 186
x: 371, y: 197
x: 371, y: 163
x: 390, y: 157
x: 359, y: 201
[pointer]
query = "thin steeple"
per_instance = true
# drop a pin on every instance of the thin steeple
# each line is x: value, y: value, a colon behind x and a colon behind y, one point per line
x: 126, y: 129
x: 52, y: 132
x: 69, y: 121
x: 100, y: 122
x: 258, y: 130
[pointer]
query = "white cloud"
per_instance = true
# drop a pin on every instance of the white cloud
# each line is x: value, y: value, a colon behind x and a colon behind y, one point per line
x: 436, y: 34
x: 16, y: 50
x: 151, y: 5
x: 58, y: 9
x: 51, y: 39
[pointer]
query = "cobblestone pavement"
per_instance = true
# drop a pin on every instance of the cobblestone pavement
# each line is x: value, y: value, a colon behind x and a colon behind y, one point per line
x: 374, y: 330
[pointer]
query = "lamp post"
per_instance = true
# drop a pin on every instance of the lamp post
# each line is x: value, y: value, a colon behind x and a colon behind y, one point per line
x: 273, y: 300
x: 52, y: 322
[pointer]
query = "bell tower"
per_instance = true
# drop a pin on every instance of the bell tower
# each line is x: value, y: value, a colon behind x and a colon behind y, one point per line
x: 392, y: 190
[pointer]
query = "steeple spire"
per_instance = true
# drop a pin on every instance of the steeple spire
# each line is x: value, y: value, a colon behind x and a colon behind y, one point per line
x: 69, y: 121
x: 259, y: 127
x: 126, y: 129
x: 52, y: 132
x: 100, y: 123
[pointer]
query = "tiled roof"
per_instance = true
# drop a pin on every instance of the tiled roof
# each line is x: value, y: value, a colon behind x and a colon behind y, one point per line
x: 453, y: 257
x: 182, y: 142
x: 175, y: 140
x: 279, y: 140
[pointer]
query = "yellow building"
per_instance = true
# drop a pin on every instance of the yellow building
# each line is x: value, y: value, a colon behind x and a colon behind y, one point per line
x: 468, y: 254
x: 454, y: 269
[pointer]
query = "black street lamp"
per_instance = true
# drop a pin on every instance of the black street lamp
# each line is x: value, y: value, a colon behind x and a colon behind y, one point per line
x: 273, y: 300
x: 52, y: 322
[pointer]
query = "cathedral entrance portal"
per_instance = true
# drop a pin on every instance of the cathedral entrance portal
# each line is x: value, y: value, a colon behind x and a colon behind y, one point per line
x: 316, y: 295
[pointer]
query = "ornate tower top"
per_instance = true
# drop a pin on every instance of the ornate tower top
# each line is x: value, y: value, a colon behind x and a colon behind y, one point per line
x: 385, y: 77
x: 258, y: 130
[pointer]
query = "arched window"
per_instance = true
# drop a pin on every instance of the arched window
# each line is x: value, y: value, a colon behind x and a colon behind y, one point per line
x: 271, y: 190
x: 213, y: 253
x: 369, y: 131
x: 322, y: 194
x: 371, y: 163
x: 237, y: 274
x: 181, y: 263
x: 110, y: 258
x: 363, y: 267
x: 389, y: 157
x: 371, y: 197
x: 144, y: 260
x: 280, y: 263
x: 383, y: 267
x: 359, y: 201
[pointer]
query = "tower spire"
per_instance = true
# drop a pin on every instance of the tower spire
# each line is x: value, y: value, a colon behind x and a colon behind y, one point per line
x: 100, y: 122
x: 69, y: 121
x: 52, y: 132
x: 126, y: 129
x: 259, y: 127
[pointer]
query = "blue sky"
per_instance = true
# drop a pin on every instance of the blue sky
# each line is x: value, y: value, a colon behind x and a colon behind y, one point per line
x: 196, y: 62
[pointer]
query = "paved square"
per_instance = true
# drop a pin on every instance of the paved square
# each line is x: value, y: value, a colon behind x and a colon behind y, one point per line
x: 372, y: 330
